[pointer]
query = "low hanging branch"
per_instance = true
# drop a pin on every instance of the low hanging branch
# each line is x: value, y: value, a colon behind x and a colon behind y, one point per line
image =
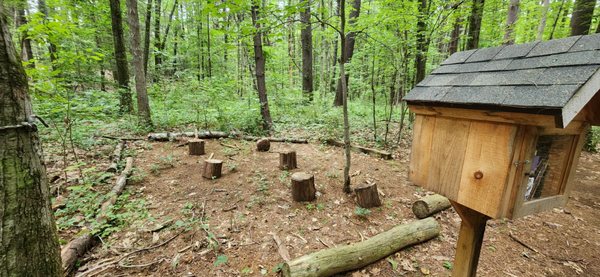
x: 380, y: 153
x: 216, y: 135
x: 80, y: 245
x: 331, y: 261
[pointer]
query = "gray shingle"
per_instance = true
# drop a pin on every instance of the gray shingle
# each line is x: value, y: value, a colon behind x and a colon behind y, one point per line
x: 553, y: 46
x: 540, y: 96
x: 563, y: 59
x: 573, y: 75
x: 484, y: 54
x: 591, y: 42
x: 446, y: 69
x: 482, y: 66
x: 477, y: 95
x: 459, y: 57
x: 426, y: 94
x: 515, y: 51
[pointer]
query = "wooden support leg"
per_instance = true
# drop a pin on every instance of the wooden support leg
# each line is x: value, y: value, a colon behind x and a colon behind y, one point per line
x: 469, y: 243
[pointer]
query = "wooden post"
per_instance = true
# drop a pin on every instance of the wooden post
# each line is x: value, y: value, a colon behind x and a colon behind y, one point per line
x: 303, y: 187
x: 212, y: 168
x: 263, y: 145
x: 469, y: 242
x: 196, y: 147
x: 287, y: 160
x: 367, y: 195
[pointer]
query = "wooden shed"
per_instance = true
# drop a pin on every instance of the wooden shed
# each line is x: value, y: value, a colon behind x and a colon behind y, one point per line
x: 499, y: 130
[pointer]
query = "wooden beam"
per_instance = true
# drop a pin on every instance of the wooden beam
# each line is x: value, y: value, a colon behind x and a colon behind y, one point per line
x: 470, y: 239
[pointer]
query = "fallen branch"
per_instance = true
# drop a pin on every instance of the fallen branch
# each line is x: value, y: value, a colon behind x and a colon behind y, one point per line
x: 116, y: 157
x: 119, y: 138
x: 80, y: 245
x: 285, y: 255
x: 371, y: 151
x: 429, y: 205
x: 215, y: 135
x: 330, y: 261
x: 522, y: 243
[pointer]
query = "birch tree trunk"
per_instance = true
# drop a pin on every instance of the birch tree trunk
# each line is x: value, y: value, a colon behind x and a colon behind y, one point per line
x: 138, y: 64
x: 28, y: 240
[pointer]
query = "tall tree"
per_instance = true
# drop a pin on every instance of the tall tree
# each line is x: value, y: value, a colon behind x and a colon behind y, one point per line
x: 455, y: 36
x: 259, y: 60
x: 347, y: 49
x: 475, y: 24
x: 307, y: 50
x: 581, y: 20
x: 138, y: 64
x: 543, y: 19
x: 147, y: 28
x: 28, y: 240
x: 422, y: 41
x: 125, y: 103
x: 344, y: 88
x: 511, y: 21
x: 157, y: 47
x: 52, y: 50
x: 26, y: 50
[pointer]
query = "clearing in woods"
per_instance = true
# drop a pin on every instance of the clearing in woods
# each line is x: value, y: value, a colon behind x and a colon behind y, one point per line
x: 251, y: 204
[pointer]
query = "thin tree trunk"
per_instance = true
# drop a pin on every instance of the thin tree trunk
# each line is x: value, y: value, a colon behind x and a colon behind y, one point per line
x: 560, y: 9
x: 28, y: 240
x: 347, y: 50
x: 208, y: 53
x: 374, y: 98
x: 147, y: 35
x: 543, y: 19
x: 125, y: 103
x: 138, y: 64
x: 157, y: 47
x: 307, y: 52
x: 455, y: 36
x: 26, y: 50
x: 475, y: 24
x: 344, y: 88
x: 43, y: 8
x: 422, y: 41
x: 259, y: 60
x: 511, y: 21
x: 581, y: 20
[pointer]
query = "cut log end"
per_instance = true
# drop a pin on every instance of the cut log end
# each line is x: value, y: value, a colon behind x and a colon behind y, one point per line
x: 367, y: 195
x: 212, y: 169
x: 430, y: 205
x: 196, y: 147
x: 263, y: 145
x: 287, y: 160
x: 303, y: 187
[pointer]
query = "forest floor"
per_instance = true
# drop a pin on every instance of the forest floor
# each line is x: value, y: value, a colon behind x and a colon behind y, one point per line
x: 251, y: 203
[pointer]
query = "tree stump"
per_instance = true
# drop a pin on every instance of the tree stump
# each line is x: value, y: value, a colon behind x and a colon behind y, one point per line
x: 287, y: 160
x: 367, y: 195
x: 196, y: 147
x: 303, y: 187
x: 212, y: 168
x: 263, y: 145
x: 429, y: 205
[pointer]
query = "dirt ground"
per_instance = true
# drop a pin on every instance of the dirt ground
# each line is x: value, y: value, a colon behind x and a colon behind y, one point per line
x: 251, y: 203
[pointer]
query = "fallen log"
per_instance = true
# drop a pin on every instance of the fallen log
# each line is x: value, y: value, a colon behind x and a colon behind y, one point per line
x: 429, y: 205
x: 371, y: 151
x: 330, y: 261
x: 80, y: 245
x: 215, y: 135
x: 116, y: 157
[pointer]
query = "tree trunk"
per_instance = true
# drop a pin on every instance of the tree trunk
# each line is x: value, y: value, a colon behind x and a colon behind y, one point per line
x: 511, y: 21
x: 147, y: 35
x: 455, y: 36
x: 43, y: 8
x: 212, y: 169
x: 367, y: 196
x: 208, y: 53
x: 157, y: 47
x: 429, y: 205
x: 344, y: 89
x: 26, y: 50
x: 138, y: 64
x: 287, y: 160
x: 196, y: 147
x: 347, y: 51
x: 259, y: 60
x: 560, y: 9
x: 330, y: 261
x: 307, y: 52
x: 125, y: 103
x: 543, y: 19
x: 581, y: 20
x: 475, y: 24
x: 422, y: 41
x: 28, y: 240
x: 303, y: 187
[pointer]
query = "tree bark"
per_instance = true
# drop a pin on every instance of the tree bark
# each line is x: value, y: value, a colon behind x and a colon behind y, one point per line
x: 307, y: 51
x: 347, y: 51
x: 543, y: 19
x: 263, y: 145
x: 511, y: 21
x: 157, y: 47
x: 138, y: 64
x: 147, y: 35
x: 125, y: 103
x: 52, y: 50
x: 358, y: 255
x: 367, y: 196
x: 26, y: 50
x: 303, y: 187
x: 581, y: 20
x: 287, y: 160
x: 28, y: 240
x: 455, y: 37
x: 429, y: 205
x: 196, y: 147
x: 422, y: 41
x: 212, y: 169
x: 259, y: 60
x: 475, y: 24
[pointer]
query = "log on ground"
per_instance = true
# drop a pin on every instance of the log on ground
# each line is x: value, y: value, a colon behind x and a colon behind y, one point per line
x: 80, y: 245
x: 167, y: 136
x: 116, y: 157
x: 354, y: 256
x: 370, y: 151
x: 430, y: 205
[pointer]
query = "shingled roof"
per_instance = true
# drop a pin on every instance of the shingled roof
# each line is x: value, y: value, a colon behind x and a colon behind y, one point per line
x: 557, y: 77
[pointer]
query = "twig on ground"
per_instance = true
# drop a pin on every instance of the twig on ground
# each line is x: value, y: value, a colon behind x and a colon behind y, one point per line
x: 321, y: 241
x: 285, y: 255
x: 300, y: 237
x: 522, y: 243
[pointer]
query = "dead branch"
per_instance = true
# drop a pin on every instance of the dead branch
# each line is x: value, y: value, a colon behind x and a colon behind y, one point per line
x: 371, y: 151
x: 167, y: 136
x: 285, y: 255
x: 116, y: 157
